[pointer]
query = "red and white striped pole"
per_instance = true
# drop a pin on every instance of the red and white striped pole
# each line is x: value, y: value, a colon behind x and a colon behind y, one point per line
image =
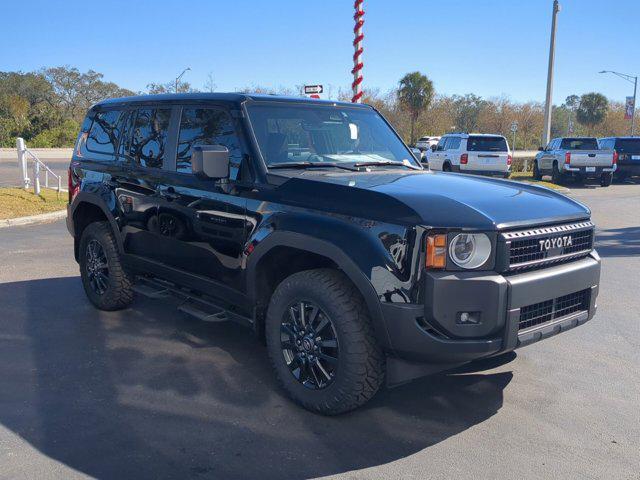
x: 357, y: 55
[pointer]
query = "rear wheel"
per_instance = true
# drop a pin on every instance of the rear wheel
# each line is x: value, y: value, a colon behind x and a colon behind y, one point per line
x: 605, y: 179
x: 446, y: 167
x: 537, y: 175
x: 106, y: 283
x: 321, y: 343
x: 556, y: 174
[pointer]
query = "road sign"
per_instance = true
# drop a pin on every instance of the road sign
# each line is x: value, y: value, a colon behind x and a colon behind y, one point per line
x: 514, y: 127
x: 312, y: 89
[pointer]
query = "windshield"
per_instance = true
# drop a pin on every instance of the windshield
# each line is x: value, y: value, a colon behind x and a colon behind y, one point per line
x: 486, y: 144
x: 579, y: 144
x: 318, y: 133
x: 628, y: 145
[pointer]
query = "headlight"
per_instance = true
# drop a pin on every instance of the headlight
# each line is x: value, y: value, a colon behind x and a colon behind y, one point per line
x: 470, y: 250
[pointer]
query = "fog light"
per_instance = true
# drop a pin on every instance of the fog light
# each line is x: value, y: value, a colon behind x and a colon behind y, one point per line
x: 468, y: 318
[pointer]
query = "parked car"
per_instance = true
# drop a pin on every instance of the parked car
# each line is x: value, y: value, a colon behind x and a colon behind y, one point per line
x: 577, y: 157
x: 311, y: 223
x: 424, y: 143
x: 471, y: 153
x: 626, y: 153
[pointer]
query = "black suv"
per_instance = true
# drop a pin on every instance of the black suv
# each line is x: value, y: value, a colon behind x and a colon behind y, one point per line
x: 626, y: 153
x: 311, y: 222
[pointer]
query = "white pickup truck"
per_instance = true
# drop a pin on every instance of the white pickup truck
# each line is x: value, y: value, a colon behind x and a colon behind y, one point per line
x: 578, y: 157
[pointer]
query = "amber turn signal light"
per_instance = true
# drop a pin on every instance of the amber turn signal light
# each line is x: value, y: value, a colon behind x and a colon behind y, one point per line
x: 436, y: 251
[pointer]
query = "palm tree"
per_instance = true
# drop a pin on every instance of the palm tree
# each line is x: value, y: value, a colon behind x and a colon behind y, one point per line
x: 415, y: 94
x: 592, y: 110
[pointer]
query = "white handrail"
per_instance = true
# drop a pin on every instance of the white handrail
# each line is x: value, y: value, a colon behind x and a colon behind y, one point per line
x: 37, y: 163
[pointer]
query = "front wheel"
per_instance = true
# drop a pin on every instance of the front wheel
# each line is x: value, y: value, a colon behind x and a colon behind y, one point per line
x: 537, y: 175
x: 106, y: 283
x: 321, y: 342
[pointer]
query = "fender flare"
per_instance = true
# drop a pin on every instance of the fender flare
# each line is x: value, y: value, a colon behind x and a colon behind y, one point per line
x: 334, y: 253
x: 84, y: 197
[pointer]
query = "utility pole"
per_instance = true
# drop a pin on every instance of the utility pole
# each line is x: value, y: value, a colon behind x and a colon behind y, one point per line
x: 552, y: 53
x: 180, y: 76
x: 356, y: 85
x: 634, y: 80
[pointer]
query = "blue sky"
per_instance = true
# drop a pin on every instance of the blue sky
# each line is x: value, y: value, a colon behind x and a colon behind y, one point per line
x: 488, y: 47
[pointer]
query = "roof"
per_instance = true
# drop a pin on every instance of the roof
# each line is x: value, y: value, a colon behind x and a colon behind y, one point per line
x: 221, y: 97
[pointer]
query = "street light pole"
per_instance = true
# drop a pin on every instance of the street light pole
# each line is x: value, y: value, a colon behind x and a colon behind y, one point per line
x: 180, y: 76
x: 552, y: 53
x: 634, y: 80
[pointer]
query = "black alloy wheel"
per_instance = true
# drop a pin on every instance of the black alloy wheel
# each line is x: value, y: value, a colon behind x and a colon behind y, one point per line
x: 97, y: 267
x: 309, y: 345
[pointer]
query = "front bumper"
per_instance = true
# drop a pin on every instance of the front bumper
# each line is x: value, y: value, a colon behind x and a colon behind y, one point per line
x: 431, y: 333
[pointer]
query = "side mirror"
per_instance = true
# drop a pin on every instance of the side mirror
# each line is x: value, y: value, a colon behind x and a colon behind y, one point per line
x: 541, y: 149
x: 434, y: 147
x: 210, y: 160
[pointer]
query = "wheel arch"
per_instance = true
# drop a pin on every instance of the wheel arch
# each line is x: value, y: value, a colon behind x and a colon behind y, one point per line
x: 86, y: 209
x: 291, y: 252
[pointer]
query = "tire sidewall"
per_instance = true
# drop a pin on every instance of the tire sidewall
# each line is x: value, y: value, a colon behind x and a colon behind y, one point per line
x: 291, y: 291
x: 95, y: 232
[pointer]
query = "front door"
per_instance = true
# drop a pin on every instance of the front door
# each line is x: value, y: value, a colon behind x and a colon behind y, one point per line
x: 201, y: 222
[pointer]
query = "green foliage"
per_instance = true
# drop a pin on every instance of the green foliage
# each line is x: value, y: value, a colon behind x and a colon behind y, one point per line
x: 592, y: 109
x: 63, y: 135
x: 415, y: 95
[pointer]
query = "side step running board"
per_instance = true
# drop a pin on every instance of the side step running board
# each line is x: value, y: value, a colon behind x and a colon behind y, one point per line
x: 205, y: 309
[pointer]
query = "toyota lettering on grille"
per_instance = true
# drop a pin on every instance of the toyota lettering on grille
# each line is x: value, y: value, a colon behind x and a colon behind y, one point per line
x: 556, y: 242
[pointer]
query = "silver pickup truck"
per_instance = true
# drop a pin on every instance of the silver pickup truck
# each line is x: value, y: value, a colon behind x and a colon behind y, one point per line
x: 577, y: 157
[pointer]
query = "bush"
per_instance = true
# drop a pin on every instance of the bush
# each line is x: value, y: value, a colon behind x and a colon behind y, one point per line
x: 61, y: 136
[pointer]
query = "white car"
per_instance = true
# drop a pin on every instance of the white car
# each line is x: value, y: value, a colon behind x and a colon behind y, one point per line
x: 471, y: 153
x: 424, y: 143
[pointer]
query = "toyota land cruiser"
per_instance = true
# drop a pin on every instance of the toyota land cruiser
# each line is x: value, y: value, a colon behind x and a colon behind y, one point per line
x: 312, y: 223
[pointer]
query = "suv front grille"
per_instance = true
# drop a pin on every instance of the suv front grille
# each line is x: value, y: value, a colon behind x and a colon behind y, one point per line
x: 543, y: 312
x: 538, y: 246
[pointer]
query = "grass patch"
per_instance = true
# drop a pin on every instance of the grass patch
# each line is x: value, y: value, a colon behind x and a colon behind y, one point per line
x: 527, y: 177
x: 16, y: 202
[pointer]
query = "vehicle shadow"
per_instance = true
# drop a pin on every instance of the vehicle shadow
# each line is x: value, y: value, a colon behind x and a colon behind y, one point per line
x: 149, y: 393
x: 618, y: 242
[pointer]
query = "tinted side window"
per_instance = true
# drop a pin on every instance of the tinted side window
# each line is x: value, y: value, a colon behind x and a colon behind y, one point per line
x: 104, y: 134
x: 207, y: 126
x: 149, y: 140
x: 454, y: 143
x: 442, y: 144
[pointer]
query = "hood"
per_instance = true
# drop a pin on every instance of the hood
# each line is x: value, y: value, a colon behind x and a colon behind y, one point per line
x: 430, y: 199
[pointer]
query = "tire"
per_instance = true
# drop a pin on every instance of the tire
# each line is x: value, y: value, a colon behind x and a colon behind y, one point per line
x: 537, y: 175
x: 106, y: 283
x: 446, y: 167
x: 556, y: 175
x: 334, y: 310
x: 606, y: 179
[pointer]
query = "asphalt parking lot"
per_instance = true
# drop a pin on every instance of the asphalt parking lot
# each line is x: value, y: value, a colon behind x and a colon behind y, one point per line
x: 151, y: 393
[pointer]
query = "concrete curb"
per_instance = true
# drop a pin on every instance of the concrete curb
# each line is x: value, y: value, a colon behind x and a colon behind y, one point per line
x: 44, y: 218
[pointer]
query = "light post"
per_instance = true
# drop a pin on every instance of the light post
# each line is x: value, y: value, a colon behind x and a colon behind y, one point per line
x: 634, y: 80
x: 552, y: 53
x: 180, y: 76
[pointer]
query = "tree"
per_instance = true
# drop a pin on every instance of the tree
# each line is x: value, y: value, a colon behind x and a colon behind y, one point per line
x: 467, y: 110
x: 169, y: 87
x: 74, y: 92
x: 592, y: 110
x: 415, y: 95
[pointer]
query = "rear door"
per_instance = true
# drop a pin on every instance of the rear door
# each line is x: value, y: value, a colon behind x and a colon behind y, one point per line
x: 628, y: 151
x: 146, y: 147
x: 201, y: 221
x: 487, y: 153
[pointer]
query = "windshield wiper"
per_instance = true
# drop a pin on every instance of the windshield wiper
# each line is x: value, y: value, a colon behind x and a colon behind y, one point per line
x: 312, y: 165
x: 371, y: 164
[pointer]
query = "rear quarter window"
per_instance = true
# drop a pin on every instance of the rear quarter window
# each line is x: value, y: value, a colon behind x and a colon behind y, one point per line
x: 102, y: 137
